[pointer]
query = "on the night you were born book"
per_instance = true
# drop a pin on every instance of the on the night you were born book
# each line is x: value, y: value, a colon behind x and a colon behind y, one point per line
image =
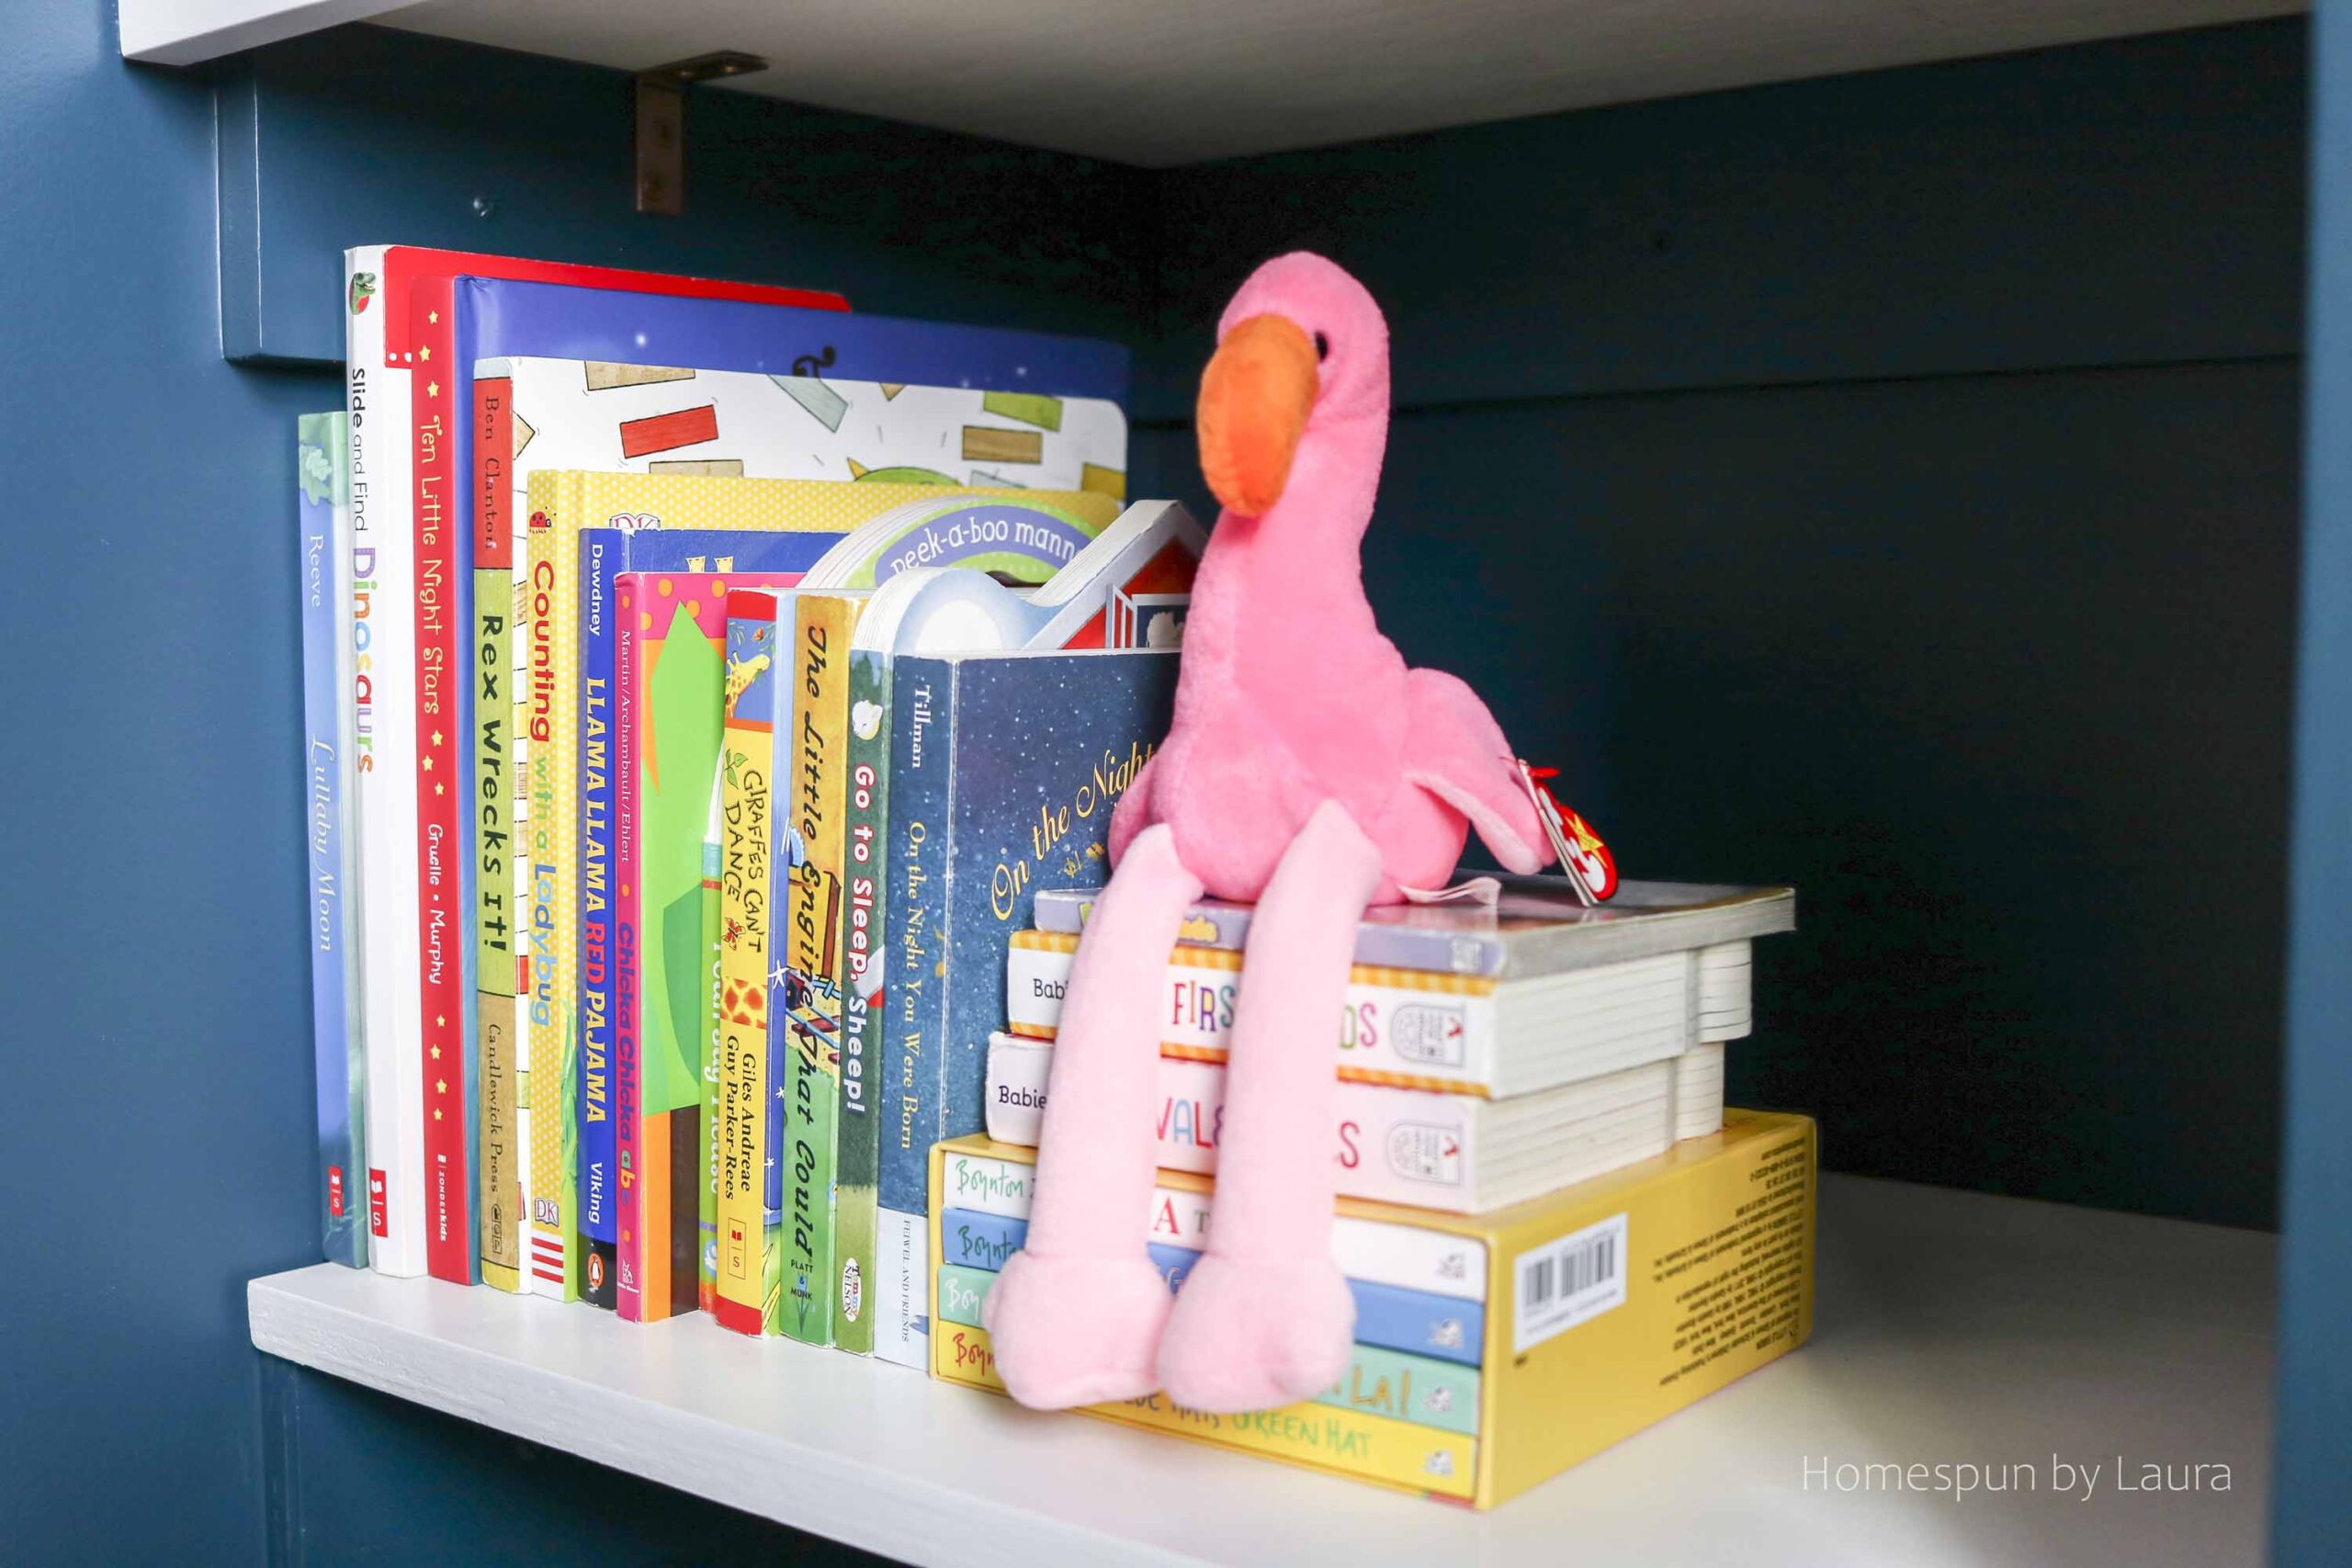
x: 1005, y: 769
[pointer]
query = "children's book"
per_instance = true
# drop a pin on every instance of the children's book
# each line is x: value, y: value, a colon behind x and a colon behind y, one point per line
x: 1585, y: 1315
x: 1004, y: 769
x: 669, y: 686
x: 605, y: 554
x: 330, y: 734
x: 1430, y: 1029
x: 1128, y: 588
x: 754, y: 673
x: 1455, y: 1152
x: 810, y: 852
x: 1535, y: 926
x: 549, y: 720
x: 408, y: 481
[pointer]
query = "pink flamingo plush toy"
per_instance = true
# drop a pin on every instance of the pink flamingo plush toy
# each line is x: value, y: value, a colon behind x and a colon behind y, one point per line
x: 1309, y: 770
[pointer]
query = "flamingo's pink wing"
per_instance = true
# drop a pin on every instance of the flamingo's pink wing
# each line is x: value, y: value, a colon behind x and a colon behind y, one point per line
x: 1458, y: 754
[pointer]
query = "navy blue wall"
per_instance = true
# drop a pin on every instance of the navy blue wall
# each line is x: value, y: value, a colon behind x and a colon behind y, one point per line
x: 1886, y: 485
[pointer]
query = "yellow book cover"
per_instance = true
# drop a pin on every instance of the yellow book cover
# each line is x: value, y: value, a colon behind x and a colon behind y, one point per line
x: 811, y: 761
x: 547, y: 715
x: 755, y: 653
x: 1602, y: 1308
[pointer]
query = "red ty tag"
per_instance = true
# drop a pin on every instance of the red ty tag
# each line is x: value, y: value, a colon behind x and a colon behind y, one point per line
x: 1591, y: 869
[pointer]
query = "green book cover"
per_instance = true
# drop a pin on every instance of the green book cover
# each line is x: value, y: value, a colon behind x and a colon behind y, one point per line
x: 861, y: 937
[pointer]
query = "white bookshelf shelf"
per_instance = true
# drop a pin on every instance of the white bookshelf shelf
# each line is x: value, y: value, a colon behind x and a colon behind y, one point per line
x: 1135, y: 82
x: 1951, y: 1327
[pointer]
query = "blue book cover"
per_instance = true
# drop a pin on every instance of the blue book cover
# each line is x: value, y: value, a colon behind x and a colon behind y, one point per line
x: 1449, y: 1328
x: 1004, y: 767
x: 605, y: 554
x: 323, y: 451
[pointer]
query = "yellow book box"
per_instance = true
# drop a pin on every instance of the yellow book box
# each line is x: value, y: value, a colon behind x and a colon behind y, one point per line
x: 1494, y: 1350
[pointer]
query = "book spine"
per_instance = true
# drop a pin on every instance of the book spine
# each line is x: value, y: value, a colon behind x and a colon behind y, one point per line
x: 329, y: 722
x: 384, y: 672
x: 1422, y: 1323
x: 1435, y: 950
x: 600, y: 914
x: 744, y: 939
x: 445, y: 998
x: 1396, y: 1145
x: 1411, y: 1257
x: 1340, y: 1439
x: 915, y: 1013
x: 498, y: 1037
x: 544, y: 711
x: 822, y: 623
x: 624, y: 1187
x: 1378, y: 1381
x: 1414, y: 1029
x: 864, y: 943
x: 706, y: 1204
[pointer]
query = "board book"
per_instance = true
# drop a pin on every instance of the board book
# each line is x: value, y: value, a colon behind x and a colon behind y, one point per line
x: 1660, y: 967
x: 1456, y: 1152
x: 1429, y: 1029
x: 1600, y: 1310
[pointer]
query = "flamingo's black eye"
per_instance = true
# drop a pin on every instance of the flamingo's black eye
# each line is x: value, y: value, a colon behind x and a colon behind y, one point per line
x: 1322, y: 347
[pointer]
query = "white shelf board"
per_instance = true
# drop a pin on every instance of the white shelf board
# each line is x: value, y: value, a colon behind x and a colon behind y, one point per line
x: 1951, y: 1327
x: 1178, y: 81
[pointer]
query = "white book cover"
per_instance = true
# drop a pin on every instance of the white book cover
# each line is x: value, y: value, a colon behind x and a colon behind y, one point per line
x: 1426, y: 1028
x: 384, y: 648
x: 1390, y: 1144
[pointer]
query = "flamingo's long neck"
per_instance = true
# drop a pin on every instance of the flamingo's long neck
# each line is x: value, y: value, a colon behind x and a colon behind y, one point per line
x: 1274, y: 591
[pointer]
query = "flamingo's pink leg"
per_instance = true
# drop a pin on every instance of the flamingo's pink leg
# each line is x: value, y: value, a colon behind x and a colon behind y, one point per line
x: 1077, y: 1314
x: 1264, y: 1317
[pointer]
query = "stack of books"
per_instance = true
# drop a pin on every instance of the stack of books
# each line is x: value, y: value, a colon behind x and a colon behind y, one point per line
x: 1529, y: 1131
x: 715, y: 705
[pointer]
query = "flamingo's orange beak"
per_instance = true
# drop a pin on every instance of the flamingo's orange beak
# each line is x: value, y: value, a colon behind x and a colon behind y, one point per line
x: 1255, y: 397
